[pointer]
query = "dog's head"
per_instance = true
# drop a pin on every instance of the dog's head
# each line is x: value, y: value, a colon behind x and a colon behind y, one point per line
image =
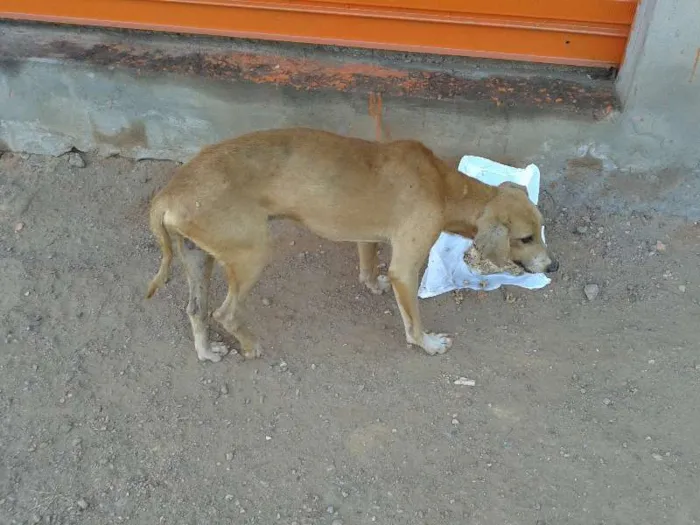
x: 510, y: 229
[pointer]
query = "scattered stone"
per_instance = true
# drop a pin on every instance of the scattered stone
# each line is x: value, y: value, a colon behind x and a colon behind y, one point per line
x: 266, y: 301
x: 660, y: 247
x: 313, y: 366
x: 591, y: 291
x: 657, y: 457
x: 229, y: 497
x: 463, y: 381
x: 337, y: 522
x: 681, y: 287
x: 268, y: 438
x: 607, y: 401
x: 229, y: 456
x: 224, y: 389
x: 455, y: 421
x: 76, y: 160
x: 581, y: 230
x: 82, y: 504
x: 330, y: 509
x: 510, y: 298
x: 19, y: 227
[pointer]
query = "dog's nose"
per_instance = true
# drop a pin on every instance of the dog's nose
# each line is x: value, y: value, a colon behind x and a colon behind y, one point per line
x: 553, y: 267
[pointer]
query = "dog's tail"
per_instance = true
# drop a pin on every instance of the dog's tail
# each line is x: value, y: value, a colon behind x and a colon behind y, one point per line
x: 158, y: 228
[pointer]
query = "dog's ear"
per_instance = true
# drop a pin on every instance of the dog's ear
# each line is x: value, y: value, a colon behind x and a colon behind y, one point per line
x: 492, y: 239
x: 513, y: 185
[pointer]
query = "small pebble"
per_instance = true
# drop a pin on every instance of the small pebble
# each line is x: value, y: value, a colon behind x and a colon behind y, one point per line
x: 657, y: 457
x: 607, y: 401
x: 268, y: 438
x: 266, y: 302
x: 19, y: 227
x: 660, y: 247
x: 591, y: 291
x: 313, y: 366
x: 337, y: 522
x: 582, y: 230
x: 76, y: 160
x: 463, y: 381
x: 330, y: 509
x: 455, y: 421
x: 82, y: 504
x: 224, y: 389
x: 229, y: 497
x: 681, y: 288
x: 229, y: 456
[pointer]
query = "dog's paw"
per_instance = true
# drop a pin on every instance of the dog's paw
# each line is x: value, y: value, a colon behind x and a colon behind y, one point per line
x: 252, y: 352
x: 214, y: 353
x: 436, y: 343
x: 380, y: 286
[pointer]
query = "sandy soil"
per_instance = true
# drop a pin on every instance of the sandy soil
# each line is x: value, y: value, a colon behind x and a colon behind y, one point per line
x: 583, y: 411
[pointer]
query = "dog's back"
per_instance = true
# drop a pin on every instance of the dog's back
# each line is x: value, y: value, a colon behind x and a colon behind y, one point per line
x: 309, y: 175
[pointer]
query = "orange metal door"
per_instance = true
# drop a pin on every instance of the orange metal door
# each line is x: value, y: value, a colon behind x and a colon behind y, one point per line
x: 590, y: 32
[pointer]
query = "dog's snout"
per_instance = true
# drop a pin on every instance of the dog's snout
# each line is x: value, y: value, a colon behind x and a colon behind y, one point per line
x: 553, y: 267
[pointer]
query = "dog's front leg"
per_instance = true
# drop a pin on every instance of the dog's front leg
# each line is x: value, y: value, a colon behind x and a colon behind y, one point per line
x: 403, y: 274
x: 369, y: 269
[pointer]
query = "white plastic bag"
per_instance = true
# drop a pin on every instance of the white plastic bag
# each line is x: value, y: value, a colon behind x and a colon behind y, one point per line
x: 447, y: 270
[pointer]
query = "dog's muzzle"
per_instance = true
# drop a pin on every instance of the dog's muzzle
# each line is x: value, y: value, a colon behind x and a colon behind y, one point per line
x: 552, y: 268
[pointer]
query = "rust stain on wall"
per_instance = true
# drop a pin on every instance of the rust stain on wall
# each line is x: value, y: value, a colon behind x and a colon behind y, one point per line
x: 695, y: 66
x: 132, y: 136
x: 306, y: 74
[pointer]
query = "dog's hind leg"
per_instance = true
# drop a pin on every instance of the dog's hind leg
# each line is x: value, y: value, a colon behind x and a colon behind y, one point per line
x: 369, y: 269
x: 198, y: 266
x: 243, y: 266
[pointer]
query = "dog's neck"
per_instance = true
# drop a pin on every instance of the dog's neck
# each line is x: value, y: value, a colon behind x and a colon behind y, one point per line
x: 465, y: 200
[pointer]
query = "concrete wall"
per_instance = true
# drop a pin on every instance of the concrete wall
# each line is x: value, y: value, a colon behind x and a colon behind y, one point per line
x: 50, y: 105
x: 659, y: 84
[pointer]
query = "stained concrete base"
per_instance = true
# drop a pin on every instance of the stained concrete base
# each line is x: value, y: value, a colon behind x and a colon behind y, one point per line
x: 50, y: 106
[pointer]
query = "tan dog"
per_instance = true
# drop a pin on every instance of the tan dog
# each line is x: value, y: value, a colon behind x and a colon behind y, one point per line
x: 217, y: 206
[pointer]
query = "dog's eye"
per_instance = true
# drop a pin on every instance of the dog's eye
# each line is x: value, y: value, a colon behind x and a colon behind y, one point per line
x: 527, y: 240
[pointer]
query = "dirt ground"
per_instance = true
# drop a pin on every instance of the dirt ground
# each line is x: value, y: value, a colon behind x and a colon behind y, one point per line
x: 583, y: 411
